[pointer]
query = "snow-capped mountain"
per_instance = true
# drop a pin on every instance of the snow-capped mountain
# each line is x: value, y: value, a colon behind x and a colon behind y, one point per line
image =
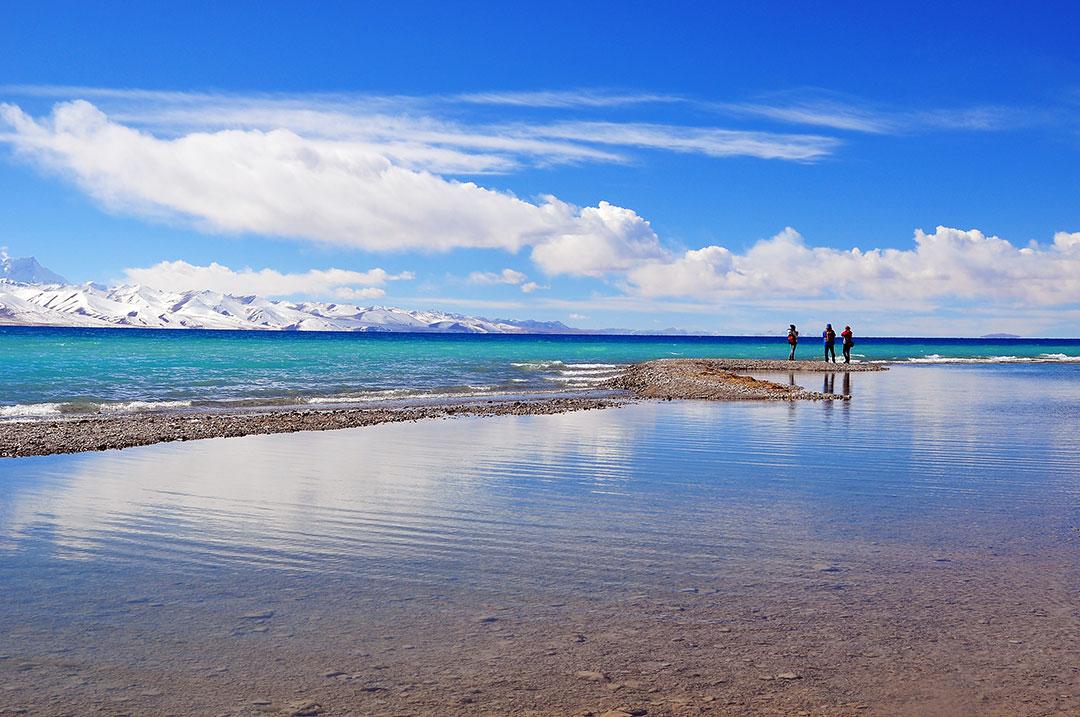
x: 59, y: 304
x: 27, y: 270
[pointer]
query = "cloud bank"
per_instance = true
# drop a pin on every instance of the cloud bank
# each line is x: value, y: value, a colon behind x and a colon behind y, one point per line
x: 279, y: 183
x: 948, y: 264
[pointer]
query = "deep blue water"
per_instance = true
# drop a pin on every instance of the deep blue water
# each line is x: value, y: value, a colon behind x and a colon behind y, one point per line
x: 57, y: 370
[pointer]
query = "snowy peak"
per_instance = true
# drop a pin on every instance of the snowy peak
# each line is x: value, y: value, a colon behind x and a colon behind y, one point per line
x: 27, y: 270
x: 59, y: 304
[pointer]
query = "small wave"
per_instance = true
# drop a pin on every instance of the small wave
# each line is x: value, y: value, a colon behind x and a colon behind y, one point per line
x: 537, y: 365
x: 590, y: 373
x: 69, y: 408
x: 571, y: 380
x: 128, y: 406
x: 592, y: 365
x: 32, y: 410
x: 1041, y: 358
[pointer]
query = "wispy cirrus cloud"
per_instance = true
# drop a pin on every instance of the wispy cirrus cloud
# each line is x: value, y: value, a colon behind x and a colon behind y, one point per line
x: 431, y: 133
x: 566, y: 99
x: 819, y: 108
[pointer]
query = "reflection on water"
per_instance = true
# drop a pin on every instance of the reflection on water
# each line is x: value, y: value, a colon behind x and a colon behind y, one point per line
x: 632, y: 497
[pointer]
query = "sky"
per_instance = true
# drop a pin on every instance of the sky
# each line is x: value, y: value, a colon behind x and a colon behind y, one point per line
x: 906, y: 168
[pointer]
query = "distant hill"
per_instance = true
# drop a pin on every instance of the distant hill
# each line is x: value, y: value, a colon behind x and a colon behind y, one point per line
x: 27, y: 270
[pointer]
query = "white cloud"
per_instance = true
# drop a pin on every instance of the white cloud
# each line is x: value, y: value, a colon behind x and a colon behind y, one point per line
x: 279, y: 183
x: 949, y: 263
x: 710, y: 141
x: 506, y: 276
x: 348, y: 293
x: 182, y: 276
x: 564, y: 99
x: 608, y: 239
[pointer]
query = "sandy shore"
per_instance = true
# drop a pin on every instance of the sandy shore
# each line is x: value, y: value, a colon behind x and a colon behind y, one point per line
x: 701, y: 379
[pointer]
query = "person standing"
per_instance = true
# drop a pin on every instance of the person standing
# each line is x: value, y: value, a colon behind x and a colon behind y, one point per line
x: 793, y: 341
x: 849, y: 341
x: 829, y: 335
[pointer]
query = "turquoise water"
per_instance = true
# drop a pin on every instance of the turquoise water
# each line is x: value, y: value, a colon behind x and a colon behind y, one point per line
x: 49, y: 371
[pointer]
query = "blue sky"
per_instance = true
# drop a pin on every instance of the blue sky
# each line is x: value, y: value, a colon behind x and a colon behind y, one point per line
x: 635, y: 166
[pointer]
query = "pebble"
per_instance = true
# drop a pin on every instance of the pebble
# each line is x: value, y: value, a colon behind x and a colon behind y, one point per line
x: 264, y: 615
x: 591, y: 676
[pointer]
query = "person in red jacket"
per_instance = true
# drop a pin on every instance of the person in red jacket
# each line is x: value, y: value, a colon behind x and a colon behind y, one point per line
x: 793, y: 341
x: 849, y: 341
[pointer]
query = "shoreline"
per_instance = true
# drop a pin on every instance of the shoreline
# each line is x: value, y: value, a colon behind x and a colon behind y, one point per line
x: 667, y: 379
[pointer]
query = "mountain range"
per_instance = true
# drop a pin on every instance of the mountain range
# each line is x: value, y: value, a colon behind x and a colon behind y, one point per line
x: 32, y: 295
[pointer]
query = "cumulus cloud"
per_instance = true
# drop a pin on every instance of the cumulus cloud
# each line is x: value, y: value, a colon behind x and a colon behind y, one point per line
x: 182, y: 276
x: 948, y: 263
x: 607, y: 239
x: 282, y: 184
x: 506, y: 276
x: 348, y: 293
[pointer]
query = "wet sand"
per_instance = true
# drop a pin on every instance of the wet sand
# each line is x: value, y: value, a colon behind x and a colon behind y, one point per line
x: 946, y: 633
x: 708, y: 379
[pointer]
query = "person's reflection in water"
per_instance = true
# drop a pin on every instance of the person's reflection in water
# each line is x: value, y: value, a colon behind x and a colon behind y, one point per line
x: 847, y: 383
x: 830, y: 383
x: 791, y: 378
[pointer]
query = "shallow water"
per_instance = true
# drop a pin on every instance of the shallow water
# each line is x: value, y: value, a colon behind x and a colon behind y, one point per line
x: 51, y: 371
x: 158, y: 553
x: 954, y: 455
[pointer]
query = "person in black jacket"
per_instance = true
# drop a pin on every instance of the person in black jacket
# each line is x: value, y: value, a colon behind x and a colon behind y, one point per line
x: 830, y: 342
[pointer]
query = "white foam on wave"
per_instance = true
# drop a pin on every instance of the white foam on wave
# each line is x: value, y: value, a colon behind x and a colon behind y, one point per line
x: 52, y: 409
x: 537, y: 365
x: 30, y: 410
x: 129, y: 406
x: 1041, y: 358
x: 579, y: 379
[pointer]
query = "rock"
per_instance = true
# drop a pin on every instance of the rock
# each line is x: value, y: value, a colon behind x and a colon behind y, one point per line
x: 787, y: 676
x: 488, y: 619
x: 264, y: 615
x: 305, y: 709
x: 591, y: 676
